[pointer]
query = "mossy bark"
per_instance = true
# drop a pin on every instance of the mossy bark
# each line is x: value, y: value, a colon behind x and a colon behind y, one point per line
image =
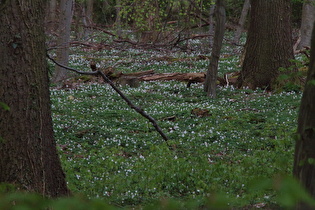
x: 28, y: 152
x: 269, y: 43
x: 304, y: 161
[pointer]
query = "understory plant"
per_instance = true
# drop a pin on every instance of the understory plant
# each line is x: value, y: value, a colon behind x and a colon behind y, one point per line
x: 238, y: 154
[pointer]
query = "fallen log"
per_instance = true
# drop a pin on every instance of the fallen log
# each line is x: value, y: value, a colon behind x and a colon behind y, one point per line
x: 132, y: 79
x: 139, y: 73
x: 190, y: 78
x: 183, y: 77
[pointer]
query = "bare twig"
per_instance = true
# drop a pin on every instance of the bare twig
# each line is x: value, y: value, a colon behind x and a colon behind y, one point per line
x: 130, y: 104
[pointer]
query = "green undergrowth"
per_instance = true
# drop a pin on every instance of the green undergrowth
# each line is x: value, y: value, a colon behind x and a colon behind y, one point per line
x: 110, y: 151
x: 239, y: 154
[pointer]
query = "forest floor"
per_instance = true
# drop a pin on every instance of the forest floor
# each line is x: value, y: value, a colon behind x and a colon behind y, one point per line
x: 235, y: 151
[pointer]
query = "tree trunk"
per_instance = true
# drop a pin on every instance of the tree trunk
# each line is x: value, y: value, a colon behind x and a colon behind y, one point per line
x: 212, y: 73
x: 89, y: 11
x: 89, y: 17
x: 61, y: 74
x: 269, y: 43
x: 308, y: 18
x: 241, y: 22
x: 29, y: 158
x: 51, y: 15
x: 79, y: 20
x: 304, y: 158
x: 118, y: 18
x: 211, y: 26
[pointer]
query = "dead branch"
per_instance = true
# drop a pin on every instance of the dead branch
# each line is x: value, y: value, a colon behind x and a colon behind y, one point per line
x: 195, y: 36
x: 198, y: 11
x: 173, y: 43
x: 200, y: 18
x: 140, y: 73
x: 120, y: 39
x: 130, y: 104
x: 190, y: 78
x: 98, y: 46
x: 305, y: 51
x: 186, y: 77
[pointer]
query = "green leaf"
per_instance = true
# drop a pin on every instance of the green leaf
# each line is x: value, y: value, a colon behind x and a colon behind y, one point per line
x: 311, y: 161
x: 283, y: 77
x: 311, y: 82
x: 4, y: 106
x: 291, y: 192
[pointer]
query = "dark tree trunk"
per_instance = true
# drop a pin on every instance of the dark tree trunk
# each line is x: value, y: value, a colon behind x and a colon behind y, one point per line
x: 304, y: 167
x: 212, y: 73
x: 29, y: 158
x: 269, y: 44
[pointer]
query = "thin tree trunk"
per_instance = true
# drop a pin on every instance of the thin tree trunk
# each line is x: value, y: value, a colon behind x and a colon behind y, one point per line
x: 200, y: 17
x: 241, y: 22
x: 79, y: 20
x: 211, y: 26
x: 63, y: 40
x: 118, y: 17
x: 28, y: 155
x: 212, y: 73
x: 304, y: 158
x: 89, y: 11
x: 308, y: 18
x: 88, y: 17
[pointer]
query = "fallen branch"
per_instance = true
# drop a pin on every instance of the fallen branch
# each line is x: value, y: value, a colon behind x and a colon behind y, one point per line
x: 150, y: 75
x: 184, y: 77
x: 130, y: 104
x: 98, y: 46
x: 140, y: 73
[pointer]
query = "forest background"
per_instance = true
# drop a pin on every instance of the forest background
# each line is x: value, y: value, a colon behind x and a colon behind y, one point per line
x: 232, y: 151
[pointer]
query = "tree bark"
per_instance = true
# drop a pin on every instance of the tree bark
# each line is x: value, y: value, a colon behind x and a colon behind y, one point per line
x: 308, y: 18
x: 304, y: 167
x: 211, y: 25
x: 63, y: 40
x: 51, y: 15
x: 184, y: 77
x: 212, y: 73
x: 89, y: 11
x: 269, y: 44
x: 88, y: 19
x: 118, y: 18
x: 29, y: 158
